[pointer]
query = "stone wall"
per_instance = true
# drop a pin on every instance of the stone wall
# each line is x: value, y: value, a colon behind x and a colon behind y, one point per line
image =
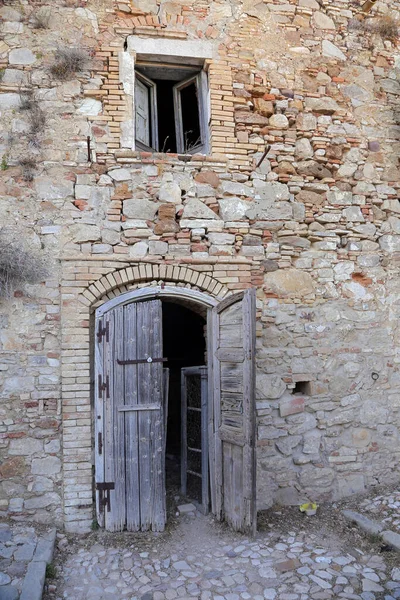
x: 299, y: 198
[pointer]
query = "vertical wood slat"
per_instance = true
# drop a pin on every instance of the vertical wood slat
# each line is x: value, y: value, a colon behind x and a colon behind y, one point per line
x: 183, y: 433
x: 116, y: 518
x: 99, y: 415
x: 151, y: 423
x: 216, y: 424
x: 157, y: 426
x: 108, y: 441
x: 131, y: 420
x: 204, y: 441
x: 211, y: 318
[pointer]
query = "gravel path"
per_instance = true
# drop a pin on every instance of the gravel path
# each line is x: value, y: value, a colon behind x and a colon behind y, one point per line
x: 200, y: 559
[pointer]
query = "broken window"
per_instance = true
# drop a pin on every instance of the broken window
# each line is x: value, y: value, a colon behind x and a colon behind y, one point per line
x: 170, y: 108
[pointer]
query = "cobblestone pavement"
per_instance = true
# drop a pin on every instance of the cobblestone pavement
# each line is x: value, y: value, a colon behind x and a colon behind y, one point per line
x: 24, y: 552
x: 385, y: 508
x: 202, y: 560
x: 17, y: 546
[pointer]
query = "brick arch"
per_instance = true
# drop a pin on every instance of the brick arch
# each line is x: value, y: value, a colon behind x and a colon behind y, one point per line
x: 121, y: 280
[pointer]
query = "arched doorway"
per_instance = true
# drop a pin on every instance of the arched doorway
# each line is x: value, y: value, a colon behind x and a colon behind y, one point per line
x: 132, y: 402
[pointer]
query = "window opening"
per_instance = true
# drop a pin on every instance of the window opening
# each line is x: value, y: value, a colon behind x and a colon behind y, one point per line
x: 170, y: 108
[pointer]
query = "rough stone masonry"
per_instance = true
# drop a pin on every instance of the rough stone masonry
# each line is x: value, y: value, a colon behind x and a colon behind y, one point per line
x: 297, y: 196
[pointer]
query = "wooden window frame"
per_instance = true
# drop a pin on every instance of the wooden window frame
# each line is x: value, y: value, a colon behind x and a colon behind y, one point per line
x: 153, y: 116
x: 203, y: 103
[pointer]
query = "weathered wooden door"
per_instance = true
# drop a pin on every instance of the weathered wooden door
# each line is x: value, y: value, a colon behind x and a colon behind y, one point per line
x: 129, y: 418
x: 232, y: 460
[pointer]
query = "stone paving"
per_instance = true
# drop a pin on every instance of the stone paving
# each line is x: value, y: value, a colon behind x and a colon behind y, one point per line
x: 17, y: 546
x: 385, y: 508
x: 24, y: 552
x: 201, y: 560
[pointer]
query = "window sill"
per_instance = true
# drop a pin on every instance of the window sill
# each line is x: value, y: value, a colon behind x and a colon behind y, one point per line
x: 140, y: 156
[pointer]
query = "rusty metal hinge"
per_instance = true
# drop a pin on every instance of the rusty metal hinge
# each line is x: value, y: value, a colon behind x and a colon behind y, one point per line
x: 103, y: 331
x: 139, y: 361
x: 100, y: 442
x: 104, y: 494
x: 104, y: 386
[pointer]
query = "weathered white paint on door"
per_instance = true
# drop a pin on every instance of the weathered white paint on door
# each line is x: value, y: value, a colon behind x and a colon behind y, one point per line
x: 131, y: 422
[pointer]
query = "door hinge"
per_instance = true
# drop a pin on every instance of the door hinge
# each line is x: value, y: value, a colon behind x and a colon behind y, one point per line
x: 104, y: 495
x: 104, y: 386
x: 100, y: 442
x: 101, y: 331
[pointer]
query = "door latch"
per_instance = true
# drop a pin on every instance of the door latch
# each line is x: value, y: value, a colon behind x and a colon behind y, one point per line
x: 104, y: 494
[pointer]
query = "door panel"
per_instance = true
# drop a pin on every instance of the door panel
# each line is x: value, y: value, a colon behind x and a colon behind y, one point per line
x: 234, y: 411
x: 133, y: 442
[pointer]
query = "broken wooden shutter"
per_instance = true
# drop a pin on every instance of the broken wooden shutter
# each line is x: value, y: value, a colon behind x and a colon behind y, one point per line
x: 190, y: 115
x: 146, y: 123
x: 233, y: 368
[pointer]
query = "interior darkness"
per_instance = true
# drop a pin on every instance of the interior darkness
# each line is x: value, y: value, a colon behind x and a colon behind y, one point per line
x: 184, y: 346
x: 190, y: 117
x: 166, y: 118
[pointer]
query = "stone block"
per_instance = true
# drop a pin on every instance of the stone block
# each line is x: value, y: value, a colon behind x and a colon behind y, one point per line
x: 32, y: 587
x: 140, y: 208
x: 279, y: 121
x: 85, y: 233
x: 170, y: 192
x: 269, y: 386
x: 233, y: 209
x: 332, y: 51
x: 195, y: 209
x: 51, y: 465
x: 9, y: 101
x: 289, y: 282
x: 25, y: 446
x: 120, y: 174
x: 50, y: 189
x: 291, y: 406
x: 156, y: 247
x: 392, y: 539
x: 21, y: 56
x: 322, y: 106
x: 368, y: 525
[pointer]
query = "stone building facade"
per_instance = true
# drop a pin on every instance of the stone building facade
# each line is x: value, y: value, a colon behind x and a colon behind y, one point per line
x: 296, y: 194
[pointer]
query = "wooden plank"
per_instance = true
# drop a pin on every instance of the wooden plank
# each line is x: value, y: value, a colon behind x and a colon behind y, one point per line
x: 118, y: 507
x: 108, y: 421
x: 138, y: 408
x: 234, y: 397
x: 237, y: 487
x: 99, y: 416
x: 184, y: 453
x: 157, y: 424
x: 249, y: 411
x: 211, y: 408
x: 151, y: 423
x: 144, y: 348
x: 218, y: 457
x: 131, y: 421
x: 204, y: 441
x: 229, y: 300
